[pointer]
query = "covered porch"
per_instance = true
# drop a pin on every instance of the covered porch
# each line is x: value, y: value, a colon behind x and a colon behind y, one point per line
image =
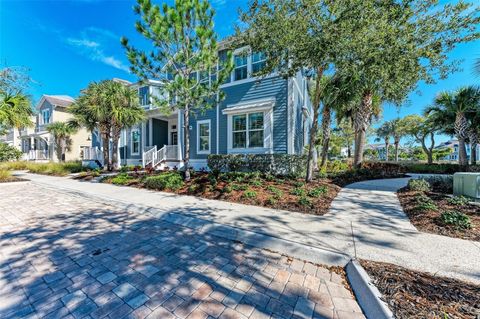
x: 162, y: 143
x: 36, y: 147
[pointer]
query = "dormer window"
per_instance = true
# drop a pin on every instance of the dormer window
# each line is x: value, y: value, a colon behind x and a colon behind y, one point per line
x: 45, y: 116
x: 143, y: 95
x: 258, y: 62
x: 241, y: 67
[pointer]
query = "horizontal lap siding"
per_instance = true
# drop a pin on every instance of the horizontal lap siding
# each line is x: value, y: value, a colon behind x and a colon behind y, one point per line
x: 267, y: 88
x: 211, y: 115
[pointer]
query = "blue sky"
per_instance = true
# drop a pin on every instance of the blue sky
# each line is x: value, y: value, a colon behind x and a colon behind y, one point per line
x: 67, y: 44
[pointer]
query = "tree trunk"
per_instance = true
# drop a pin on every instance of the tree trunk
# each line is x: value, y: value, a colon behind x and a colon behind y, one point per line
x: 314, y: 128
x: 396, y: 150
x: 115, y: 140
x: 106, y: 151
x: 461, y: 131
x: 462, y: 153
x: 361, y: 123
x: 349, y: 151
x: 326, y: 122
x: 473, y: 153
x: 428, y: 151
x: 387, y: 151
x: 473, y: 136
x: 186, y: 158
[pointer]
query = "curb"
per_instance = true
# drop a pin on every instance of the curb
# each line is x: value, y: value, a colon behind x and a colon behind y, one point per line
x: 252, y: 238
x: 368, y: 296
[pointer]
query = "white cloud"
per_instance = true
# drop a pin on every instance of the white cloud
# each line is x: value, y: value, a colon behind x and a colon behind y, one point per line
x: 93, y: 50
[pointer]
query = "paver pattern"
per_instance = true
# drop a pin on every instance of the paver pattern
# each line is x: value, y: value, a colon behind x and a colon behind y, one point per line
x: 62, y: 256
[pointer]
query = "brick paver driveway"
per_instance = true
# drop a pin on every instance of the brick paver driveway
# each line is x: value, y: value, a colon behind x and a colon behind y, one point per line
x: 66, y: 256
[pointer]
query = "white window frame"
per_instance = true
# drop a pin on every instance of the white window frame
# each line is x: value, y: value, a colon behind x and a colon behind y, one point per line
x: 267, y: 129
x: 46, y: 111
x: 209, y: 137
x: 242, y: 51
x: 135, y: 130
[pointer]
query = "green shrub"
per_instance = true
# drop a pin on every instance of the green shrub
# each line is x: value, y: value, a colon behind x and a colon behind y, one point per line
x: 277, y: 193
x: 239, y: 187
x: 9, y: 153
x: 213, y: 180
x: 227, y: 189
x: 121, y: 179
x: 256, y: 182
x: 249, y: 194
x: 299, y: 184
x: 419, y: 185
x: 274, y: 164
x: 456, y: 219
x: 318, y: 191
x: 271, y: 201
x: 168, y: 180
x: 441, y: 184
x: 304, y: 201
x: 298, y: 191
x: 192, y: 188
x: 425, y: 168
x: 425, y: 203
x: 458, y: 200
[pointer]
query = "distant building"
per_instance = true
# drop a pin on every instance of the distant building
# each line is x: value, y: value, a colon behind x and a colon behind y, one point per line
x: 453, y: 145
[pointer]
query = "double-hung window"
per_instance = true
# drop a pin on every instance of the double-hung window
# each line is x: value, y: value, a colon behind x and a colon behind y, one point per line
x: 45, y: 116
x: 248, y: 130
x: 258, y: 62
x: 241, y: 66
x: 135, y: 141
x: 203, y: 139
x: 144, y: 95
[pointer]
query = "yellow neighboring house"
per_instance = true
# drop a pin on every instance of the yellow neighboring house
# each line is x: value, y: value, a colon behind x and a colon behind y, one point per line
x: 37, y: 144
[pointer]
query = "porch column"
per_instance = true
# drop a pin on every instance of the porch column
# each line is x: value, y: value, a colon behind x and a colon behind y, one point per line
x: 150, y: 131
x: 180, y: 134
x: 144, y: 128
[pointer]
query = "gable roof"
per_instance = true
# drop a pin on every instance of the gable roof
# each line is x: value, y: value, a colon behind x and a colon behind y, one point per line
x: 56, y: 100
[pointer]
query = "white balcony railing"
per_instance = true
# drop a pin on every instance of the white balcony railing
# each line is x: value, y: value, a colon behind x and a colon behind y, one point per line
x: 34, y: 155
x: 92, y: 154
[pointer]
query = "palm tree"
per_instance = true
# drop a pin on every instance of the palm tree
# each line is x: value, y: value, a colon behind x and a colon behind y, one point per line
x: 15, y: 111
x: 109, y: 106
x: 385, y: 132
x: 336, y: 94
x: 474, y: 134
x: 61, y: 132
x: 399, y: 130
x: 456, y: 105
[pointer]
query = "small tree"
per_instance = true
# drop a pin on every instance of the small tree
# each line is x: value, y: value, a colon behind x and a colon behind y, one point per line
x: 422, y: 129
x: 61, y: 132
x: 396, y: 44
x: 399, y: 130
x: 385, y: 132
x: 474, y: 133
x: 184, y: 46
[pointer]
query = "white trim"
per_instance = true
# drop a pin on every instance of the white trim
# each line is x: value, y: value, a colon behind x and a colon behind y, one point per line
x: 209, y: 136
x: 250, y: 106
x: 267, y: 134
x: 150, y: 131
x: 249, y: 79
x: 131, y: 141
x: 217, y: 127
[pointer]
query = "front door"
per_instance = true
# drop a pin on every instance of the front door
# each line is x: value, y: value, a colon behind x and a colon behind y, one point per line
x: 174, y: 138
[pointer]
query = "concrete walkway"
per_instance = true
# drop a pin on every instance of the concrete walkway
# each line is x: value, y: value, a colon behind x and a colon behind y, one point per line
x: 371, y: 209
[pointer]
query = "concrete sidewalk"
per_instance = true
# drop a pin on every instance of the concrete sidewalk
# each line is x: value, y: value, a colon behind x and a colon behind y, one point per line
x: 371, y: 209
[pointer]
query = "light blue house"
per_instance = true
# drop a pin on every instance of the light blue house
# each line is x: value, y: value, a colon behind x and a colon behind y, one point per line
x: 259, y: 115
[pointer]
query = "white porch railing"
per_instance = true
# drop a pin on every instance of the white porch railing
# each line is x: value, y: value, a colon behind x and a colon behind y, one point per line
x: 34, y: 155
x: 153, y: 157
x: 93, y: 154
x: 148, y: 157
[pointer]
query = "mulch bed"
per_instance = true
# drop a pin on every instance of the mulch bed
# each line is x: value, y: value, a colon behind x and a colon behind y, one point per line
x: 429, y: 221
x: 413, y: 294
x: 264, y: 197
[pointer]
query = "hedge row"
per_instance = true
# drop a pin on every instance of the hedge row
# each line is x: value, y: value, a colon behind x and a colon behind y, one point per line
x: 276, y: 164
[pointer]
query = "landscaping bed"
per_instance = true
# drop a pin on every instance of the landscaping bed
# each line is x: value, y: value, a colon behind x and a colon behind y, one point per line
x: 49, y: 168
x: 432, y: 210
x: 7, y: 177
x: 246, y: 188
x: 412, y: 294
